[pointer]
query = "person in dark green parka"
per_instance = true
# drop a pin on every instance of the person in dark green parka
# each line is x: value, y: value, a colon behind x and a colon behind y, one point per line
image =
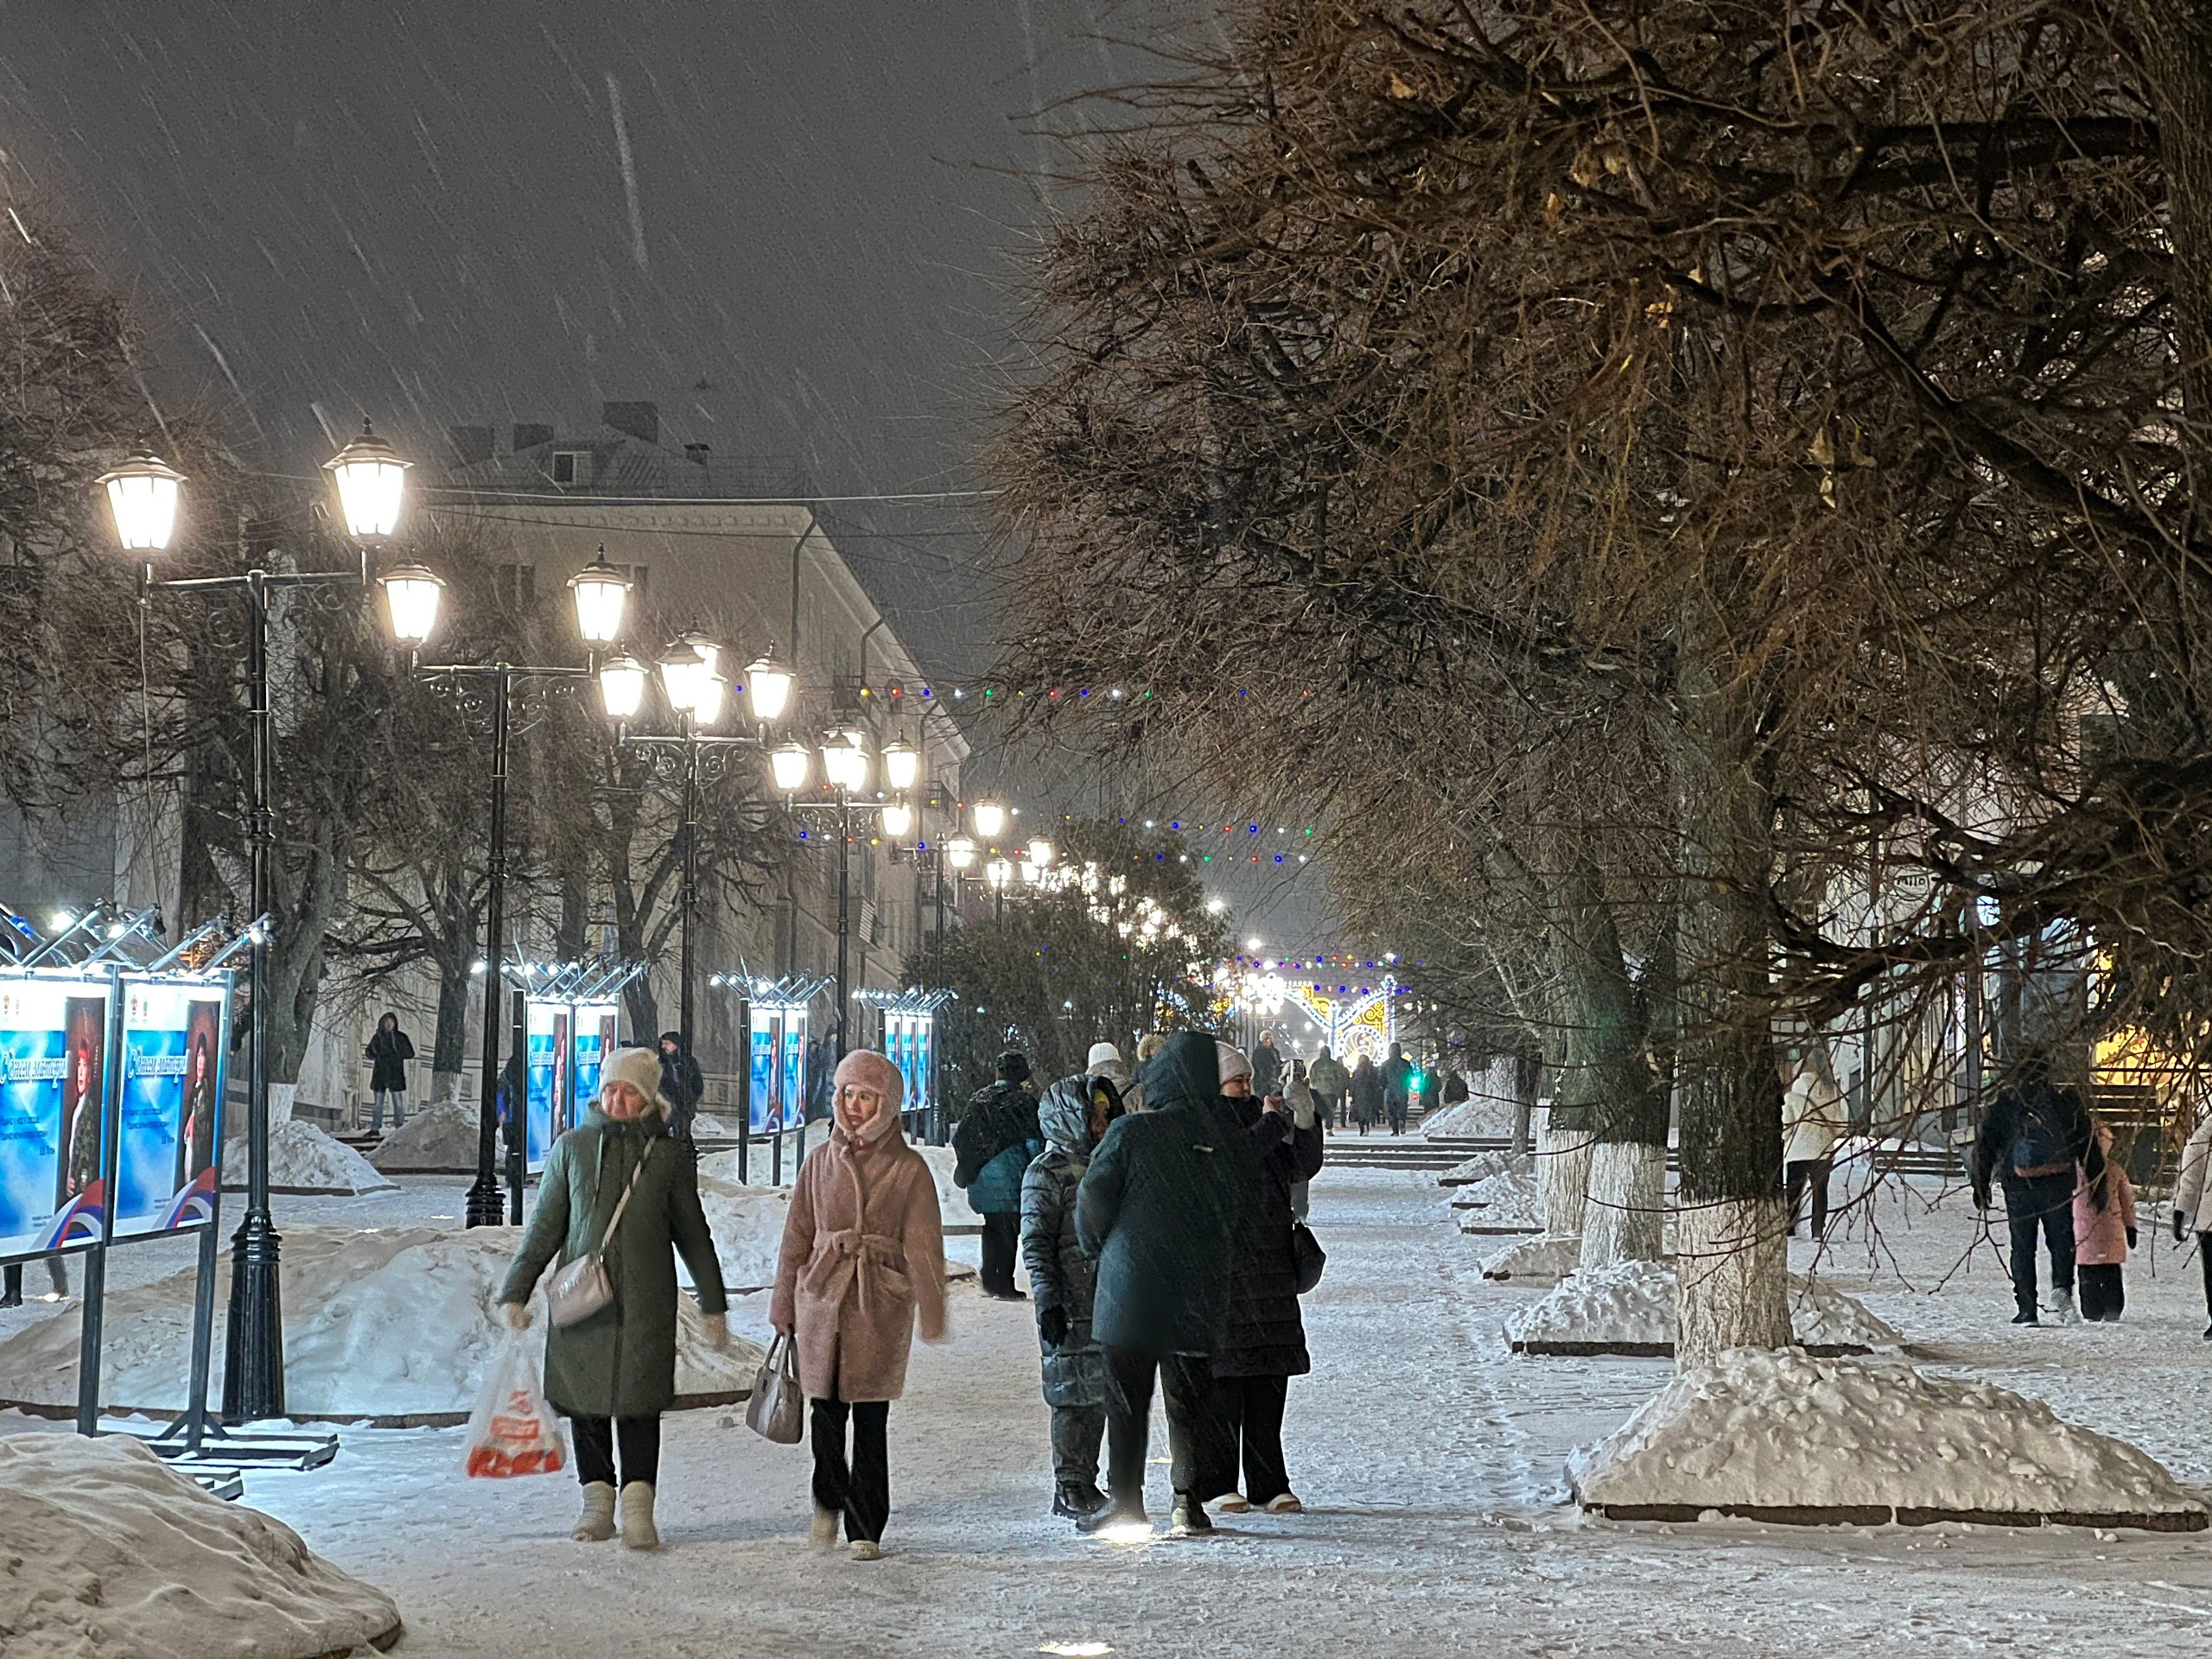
x: 614, y: 1373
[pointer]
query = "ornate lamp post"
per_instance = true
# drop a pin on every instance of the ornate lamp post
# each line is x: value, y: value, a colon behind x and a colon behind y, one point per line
x: 413, y: 594
x: 144, y: 495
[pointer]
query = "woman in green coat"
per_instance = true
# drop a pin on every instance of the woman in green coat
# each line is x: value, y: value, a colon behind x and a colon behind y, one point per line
x: 614, y: 1373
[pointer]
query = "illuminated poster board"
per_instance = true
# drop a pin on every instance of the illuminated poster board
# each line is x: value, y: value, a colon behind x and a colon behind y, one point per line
x: 762, y: 1109
x: 54, y: 1036
x: 794, y: 1081
x: 594, y: 1043
x: 546, y: 1079
x: 170, y: 1125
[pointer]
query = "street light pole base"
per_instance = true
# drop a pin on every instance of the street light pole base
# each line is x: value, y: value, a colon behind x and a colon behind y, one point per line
x: 487, y: 1205
x: 253, y: 1361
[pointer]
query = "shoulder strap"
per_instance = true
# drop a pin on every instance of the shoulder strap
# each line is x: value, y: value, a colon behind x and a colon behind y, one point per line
x: 623, y: 1203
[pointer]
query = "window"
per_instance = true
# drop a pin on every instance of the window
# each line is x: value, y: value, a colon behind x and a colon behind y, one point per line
x: 636, y: 574
x: 571, y: 467
x: 516, y: 585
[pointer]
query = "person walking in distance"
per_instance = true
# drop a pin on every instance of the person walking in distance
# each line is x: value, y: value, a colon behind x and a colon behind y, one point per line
x: 1397, y: 1088
x: 1265, y: 1344
x: 1331, y: 1086
x: 1811, y: 1124
x: 861, y: 1268
x: 681, y: 1081
x: 616, y: 1184
x: 2104, y: 1232
x: 1366, y: 1094
x: 1163, y: 1208
x: 2193, y: 1205
x: 1267, y: 1066
x: 996, y: 1141
x: 1074, y: 1115
x: 2035, y: 1132
x: 389, y: 1051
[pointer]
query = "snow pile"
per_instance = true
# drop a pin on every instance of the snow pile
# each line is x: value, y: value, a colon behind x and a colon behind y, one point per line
x: 1478, y: 1117
x: 747, y: 1222
x: 439, y: 1138
x: 1541, y: 1258
x: 952, y: 1204
x: 106, y: 1552
x: 302, y: 1159
x: 704, y: 1127
x: 1781, y: 1436
x: 1484, y: 1165
x: 1508, y: 1200
x: 1629, y: 1308
x: 394, y: 1323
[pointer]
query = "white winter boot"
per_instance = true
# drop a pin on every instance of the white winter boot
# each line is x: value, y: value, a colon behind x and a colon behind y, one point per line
x: 824, y: 1535
x: 2062, y: 1307
x: 638, y: 1530
x: 596, y: 1524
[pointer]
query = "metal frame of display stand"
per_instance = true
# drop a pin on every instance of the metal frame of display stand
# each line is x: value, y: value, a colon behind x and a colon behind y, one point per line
x: 191, y: 1438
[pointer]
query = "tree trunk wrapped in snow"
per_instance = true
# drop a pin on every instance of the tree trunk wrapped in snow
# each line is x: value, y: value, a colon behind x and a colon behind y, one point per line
x: 1563, y: 1162
x: 1625, y: 1215
x: 1733, y: 1267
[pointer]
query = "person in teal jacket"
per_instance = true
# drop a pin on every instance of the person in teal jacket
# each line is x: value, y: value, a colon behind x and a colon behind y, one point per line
x: 995, y: 1142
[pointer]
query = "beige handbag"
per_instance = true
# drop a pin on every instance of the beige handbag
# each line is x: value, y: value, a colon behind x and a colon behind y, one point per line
x: 775, y: 1410
x: 581, y: 1287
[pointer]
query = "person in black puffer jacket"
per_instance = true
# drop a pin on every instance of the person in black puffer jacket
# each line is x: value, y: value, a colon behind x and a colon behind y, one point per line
x: 1063, y: 1282
x: 1265, y: 1344
x: 2035, y: 1132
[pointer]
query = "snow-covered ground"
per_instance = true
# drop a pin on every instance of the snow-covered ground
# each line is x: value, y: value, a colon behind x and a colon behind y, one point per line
x: 1432, y: 1459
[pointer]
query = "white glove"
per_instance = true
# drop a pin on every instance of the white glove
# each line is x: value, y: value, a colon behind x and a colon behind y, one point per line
x: 1301, y: 1109
x: 518, y: 1316
x: 717, y: 1331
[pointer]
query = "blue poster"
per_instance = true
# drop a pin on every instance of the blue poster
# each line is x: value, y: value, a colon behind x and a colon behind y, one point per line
x: 793, y: 1098
x: 924, y: 1034
x: 545, y: 1079
x: 594, y: 1041
x: 171, y: 1107
x: 762, y: 1109
x: 53, y: 1094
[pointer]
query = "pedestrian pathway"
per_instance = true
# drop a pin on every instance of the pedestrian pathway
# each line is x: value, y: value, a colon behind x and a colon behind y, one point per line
x: 1432, y: 1460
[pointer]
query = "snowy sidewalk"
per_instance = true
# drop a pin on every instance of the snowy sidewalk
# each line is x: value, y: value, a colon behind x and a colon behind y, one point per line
x: 1432, y: 1460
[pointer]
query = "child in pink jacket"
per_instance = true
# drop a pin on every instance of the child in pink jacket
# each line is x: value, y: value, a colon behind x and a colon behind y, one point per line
x: 2103, y: 1235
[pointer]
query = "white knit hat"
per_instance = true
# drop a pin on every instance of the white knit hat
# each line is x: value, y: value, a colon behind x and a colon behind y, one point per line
x: 1102, y: 1054
x: 640, y: 1069
x: 1232, y: 1063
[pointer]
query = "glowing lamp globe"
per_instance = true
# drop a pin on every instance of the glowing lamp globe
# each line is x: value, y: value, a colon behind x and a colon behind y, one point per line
x: 998, y: 872
x: 790, y: 765
x: 602, y: 594
x: 898, y: 820
x: 712, y: 693
x: 1040, y: 852
x: 960, y: 853
x: 622, y: 687
x: 412, y: 596
x: 372, y: 486
x: 902, y: 764
x: 683, y: 675
x: 990, y: 819
x: 768, y: 686
x: 142, y: 498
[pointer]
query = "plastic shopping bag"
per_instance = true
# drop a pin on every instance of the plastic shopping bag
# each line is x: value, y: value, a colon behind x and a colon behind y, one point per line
x: 512, y: 1431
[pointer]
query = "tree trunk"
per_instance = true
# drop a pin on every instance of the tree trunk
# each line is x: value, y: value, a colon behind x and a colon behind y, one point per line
x: 1563, y: 1156
x: 2178, y: 63
x: 1734, y: 1275
x: 449, y: 1048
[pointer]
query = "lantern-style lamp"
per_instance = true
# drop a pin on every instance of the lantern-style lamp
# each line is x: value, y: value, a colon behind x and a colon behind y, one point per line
x: 412, y: 593
x: 768, y: 686
x: 902, y: 764
x: 622, y: 687
x: 372, y: 486
x: 960, y: 853
x: 602, y: 594
x: 789, y: 764
x: 990, y: 819
x: 142, y: 498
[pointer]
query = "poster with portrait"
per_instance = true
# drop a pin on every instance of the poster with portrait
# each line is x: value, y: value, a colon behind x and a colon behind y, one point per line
x: 53, y: 1097
x: 546, y: 1079
x: 793, y: 1098
x: 594, y: 1042
x: 169, y: 1115
x: 762, y: 1109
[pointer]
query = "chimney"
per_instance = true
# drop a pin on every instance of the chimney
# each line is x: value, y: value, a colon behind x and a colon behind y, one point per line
x: 529, y: 436
x: 696, y: 452
x: 470, y: 444
x: 640, y: 420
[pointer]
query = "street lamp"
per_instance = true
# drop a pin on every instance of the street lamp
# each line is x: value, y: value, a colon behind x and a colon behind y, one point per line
x: 622, y: 687
x: 998, y: 872
x: 685, y: 671
x: 990, y: 819
x: 898, y: 820
x: 845, y: 770
x: 1040, y: 852
x: 412, y: 595
x: 768, y: 686
x: 789, y: 764
x: 902, y: 764
x: 960, y: 853
x: 144, y: 495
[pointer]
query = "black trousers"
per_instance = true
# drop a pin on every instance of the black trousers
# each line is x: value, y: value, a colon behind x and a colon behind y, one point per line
x: 596, y: 1439
x: 1186, y: 1380
x: 2103, y: 1295
x: 858, y: 1489
x: 2204, y: 1260
x: 11, y: 1285
x: 1002, y: 1245
x: 1813, y: 1173
x: 2040, y: 1204
x: 1243, y: 1415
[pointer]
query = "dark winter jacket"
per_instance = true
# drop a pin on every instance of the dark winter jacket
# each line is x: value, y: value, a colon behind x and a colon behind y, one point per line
x: 1266, y: 1336
x: 995, y: 1141
x: 1366, y: 1094
x: 388, y: 1053
x: 621, y: 1361
x: 2033, y: 1127
x: 1397, y: 1082
x: 1164, y: 1206
x: 1267, y: 1070
x: 1060, y: 1276
x: 684, y: 1085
